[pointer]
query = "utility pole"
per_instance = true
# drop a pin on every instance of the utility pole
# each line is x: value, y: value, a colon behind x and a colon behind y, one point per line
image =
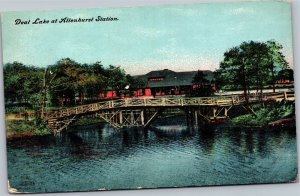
x: 44, y: 91
x: 43, y: 98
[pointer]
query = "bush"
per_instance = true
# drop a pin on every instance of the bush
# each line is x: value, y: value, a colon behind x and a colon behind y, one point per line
x: 266, y: 115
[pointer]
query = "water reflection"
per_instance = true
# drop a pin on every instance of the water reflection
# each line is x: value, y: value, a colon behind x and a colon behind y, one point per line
x: 133, y: 136
x: 173, y: 132
x: 262, y: 142
x: 207, y: 138
x: 237, y: 137
x: 165, y: 155
x: 77, y: 146
x: 249, y: 142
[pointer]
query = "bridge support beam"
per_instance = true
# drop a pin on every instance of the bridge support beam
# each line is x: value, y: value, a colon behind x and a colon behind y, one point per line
x: 209, y: 114
x: 225, y: 112
x: 152, y: 115
x: 130, y: 118
x: 142, y: 117
x: 57, y: 125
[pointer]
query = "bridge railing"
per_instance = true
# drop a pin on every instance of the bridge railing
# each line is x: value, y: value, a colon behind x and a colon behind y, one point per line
x: 152, y: 102
x: 164, y: 101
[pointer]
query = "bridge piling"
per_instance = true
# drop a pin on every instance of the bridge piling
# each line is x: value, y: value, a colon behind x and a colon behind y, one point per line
x: 121, y: 117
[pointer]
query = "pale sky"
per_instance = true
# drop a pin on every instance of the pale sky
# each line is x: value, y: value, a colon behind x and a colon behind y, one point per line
x: 181, y: 37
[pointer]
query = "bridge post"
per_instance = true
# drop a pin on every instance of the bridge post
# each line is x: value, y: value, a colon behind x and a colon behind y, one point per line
x: 132, y: 117
x: 163, y: 101
x: 121, y: 117
x: 142, y: 118
x: 214, y: 112
x: 285, y: 95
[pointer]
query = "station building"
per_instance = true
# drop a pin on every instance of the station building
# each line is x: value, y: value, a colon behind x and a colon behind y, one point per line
x: 166, y: 82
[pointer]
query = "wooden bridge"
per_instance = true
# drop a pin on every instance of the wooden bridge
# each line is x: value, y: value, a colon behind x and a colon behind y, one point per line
x: 143, y: 111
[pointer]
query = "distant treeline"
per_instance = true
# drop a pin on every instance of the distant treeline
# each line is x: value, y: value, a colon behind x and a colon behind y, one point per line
x: 64, y: 83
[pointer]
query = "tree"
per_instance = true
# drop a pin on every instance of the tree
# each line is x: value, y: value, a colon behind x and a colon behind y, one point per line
x: 203, y: 87
x: 22, y: 84
x: 133, y: 84
x: 233, y: 70
x: 285, y: 74
x: 251, y: 65
x: 66, y: 83
x: 276, y: 59
x: 97, y: 80
x: 256, y: 59
x: 200, y: 78
x: 116, y: 79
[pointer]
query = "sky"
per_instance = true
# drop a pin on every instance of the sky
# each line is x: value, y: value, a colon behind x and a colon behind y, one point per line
x: 180, y: 37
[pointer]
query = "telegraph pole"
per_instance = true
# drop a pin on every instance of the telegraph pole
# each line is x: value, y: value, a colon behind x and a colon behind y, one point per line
x: 43, y: 98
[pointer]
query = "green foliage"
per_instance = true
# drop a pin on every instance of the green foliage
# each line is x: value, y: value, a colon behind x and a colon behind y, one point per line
x: 94, y: 83
x: 135, y: 83
x: 21, y: 83
x: 63, y: 79
x: 200, y: 78
x: 203, y: 88
x: 286, y: 74
x: 74, y: 83
x: 65, y: 83
x: 27, y: 127
x: 265, y: 115
x: 251, y: 65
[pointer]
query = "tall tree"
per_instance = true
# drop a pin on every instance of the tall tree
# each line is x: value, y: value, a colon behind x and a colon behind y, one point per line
x: 22, y: 84
x: 276, y: 60
x: 233, y: 70
x: 203, y: 87
x: 200, y: 78
x: 68, y: 76
x: 251, y: 65
x: 97, y: 80
x: 117, y: 80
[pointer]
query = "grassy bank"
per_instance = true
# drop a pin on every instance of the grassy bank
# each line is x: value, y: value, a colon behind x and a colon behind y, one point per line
x: 265, y: 115
x: 17, y: 127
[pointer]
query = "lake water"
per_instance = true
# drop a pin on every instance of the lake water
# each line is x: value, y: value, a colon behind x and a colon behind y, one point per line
x: 99, y: 157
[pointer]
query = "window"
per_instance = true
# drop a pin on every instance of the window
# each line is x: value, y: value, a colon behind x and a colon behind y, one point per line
x: 156, y: 79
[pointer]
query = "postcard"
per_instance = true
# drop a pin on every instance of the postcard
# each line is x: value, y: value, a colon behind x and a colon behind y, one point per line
x: 149, y: 97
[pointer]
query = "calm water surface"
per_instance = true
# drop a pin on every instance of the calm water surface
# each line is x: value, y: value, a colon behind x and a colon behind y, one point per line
x: 99, y: 157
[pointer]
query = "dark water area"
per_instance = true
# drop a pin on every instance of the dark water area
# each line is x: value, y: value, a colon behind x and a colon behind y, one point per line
x: 100, y: 157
